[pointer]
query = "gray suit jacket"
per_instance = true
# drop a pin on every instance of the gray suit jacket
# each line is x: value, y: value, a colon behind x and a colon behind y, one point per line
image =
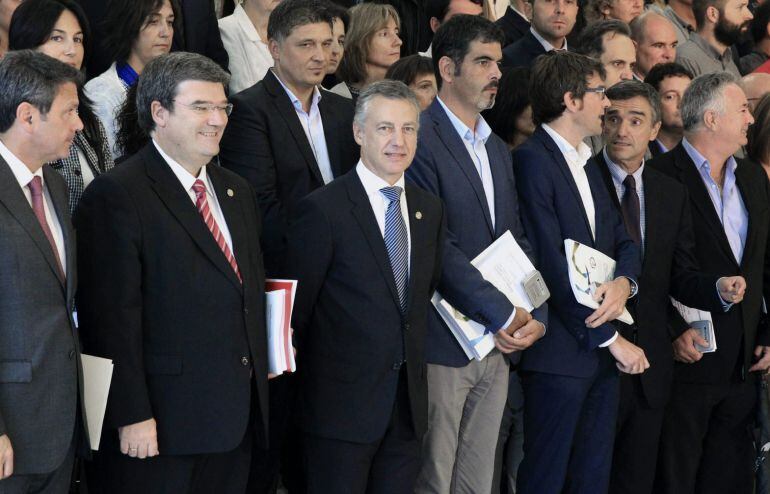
x: 39, y: 354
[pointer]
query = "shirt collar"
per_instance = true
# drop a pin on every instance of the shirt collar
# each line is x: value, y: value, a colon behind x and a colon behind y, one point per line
x: 372, y: 183
x: 618, y: 173
x: 579, y: 156
x: 186, y: 178
x: 18, y: 168
x: 546, y: 45
x: 295, y: 101
x: 701, y: 163
x: 482, y: 131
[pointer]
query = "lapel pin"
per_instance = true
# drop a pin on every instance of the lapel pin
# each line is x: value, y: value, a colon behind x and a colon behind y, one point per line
x: 418, y: 215
x: 230, y: 192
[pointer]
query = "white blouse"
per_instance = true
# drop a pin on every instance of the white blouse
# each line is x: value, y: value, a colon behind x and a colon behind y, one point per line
x: 249, y: 57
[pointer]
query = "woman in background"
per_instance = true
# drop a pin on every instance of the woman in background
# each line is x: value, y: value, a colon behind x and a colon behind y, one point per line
x: 416, y: 72
x: 511, y: 117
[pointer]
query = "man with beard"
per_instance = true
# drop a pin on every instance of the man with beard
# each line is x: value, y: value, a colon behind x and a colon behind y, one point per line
x: 720, y: 24
x: 670, y: 80
x: 552, y: 22
x: 460, y: 160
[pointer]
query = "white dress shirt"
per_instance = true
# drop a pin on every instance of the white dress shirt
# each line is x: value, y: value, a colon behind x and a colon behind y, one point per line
x: 372, y: 185
x: 313, y: 125
x: 187, y: 180
x: 249, y: 56
x: 24, y: 177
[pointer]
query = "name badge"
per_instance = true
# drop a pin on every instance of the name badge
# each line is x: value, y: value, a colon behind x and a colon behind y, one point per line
x: 535, y: 288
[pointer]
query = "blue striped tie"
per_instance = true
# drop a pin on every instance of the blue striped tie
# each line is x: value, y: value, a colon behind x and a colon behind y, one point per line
x: 396, y: 242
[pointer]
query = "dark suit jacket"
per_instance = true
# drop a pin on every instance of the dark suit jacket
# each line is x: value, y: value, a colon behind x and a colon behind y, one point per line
x: 668, y: 267
x: 552, y: 211
x: 655, y: 149
x: 39, y: 351
x: 523, y: 52
x: 348, y: 324
x: 442, y: 166
x: 158, y: 297
x: 198, y: 31
x: 264, y: 143
x: 513, y: 25
x: 737, y: 331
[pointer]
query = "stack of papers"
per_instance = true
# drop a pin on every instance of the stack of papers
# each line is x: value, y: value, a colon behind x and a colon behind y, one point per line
x: 504, y: 265
x: 279, y: 302
x: 97, y: 376
x: 588, y: 268
x: 700, y: 321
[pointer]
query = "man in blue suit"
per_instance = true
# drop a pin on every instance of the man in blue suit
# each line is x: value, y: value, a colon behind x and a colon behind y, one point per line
x: 460, y: 160
x: 570, y: 378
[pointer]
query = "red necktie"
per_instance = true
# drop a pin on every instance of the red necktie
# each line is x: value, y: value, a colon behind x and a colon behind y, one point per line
x: 36, y: 188
x: 202, y: 204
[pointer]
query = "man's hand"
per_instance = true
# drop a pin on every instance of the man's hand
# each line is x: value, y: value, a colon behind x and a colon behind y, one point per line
x: 763, y: 354
x: 631, y: 358
x: 684, y: 346
x: 521, y: 318
x: 731, y: 288
x: 6, y: 457
x: 521, y: 339
x: 613, y: 296
x: 139, y: 440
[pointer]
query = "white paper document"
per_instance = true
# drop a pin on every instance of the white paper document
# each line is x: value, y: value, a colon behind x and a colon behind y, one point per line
x: 504, y: 265
x: 588, y: 268
x: 97, y: 376
x: 279, y: 303
x: 701, y: 321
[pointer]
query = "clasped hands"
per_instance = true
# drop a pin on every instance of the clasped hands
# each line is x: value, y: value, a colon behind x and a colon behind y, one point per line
x: 520, y: 334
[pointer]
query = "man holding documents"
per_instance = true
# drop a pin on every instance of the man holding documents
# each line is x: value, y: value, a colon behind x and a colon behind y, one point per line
x: 365, y: 250
x: 706, y: 445
x: 656, y: 212
x: 173, y: 293
x: 39, y: 350
x: 571, y: 380
x: 460, y: 160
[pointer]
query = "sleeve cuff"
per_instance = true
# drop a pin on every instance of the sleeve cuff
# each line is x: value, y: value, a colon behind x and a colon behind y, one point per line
x: 611, y: 340
x: 510, y: 319
x: 725, y: 304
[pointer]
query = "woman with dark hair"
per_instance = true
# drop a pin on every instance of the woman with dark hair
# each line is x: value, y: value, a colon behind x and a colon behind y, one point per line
x: 416, y: 72
x: 59, y: 29
x: 137, y: 32
x: 511, y: 117
x: 758, y: 148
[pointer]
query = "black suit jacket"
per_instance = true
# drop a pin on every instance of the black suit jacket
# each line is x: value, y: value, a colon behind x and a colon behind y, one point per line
x: 198, y: 31
x: 655, y: 149
x: 523, y: 52
x: 737, y: 331
x: 347, y: 320
x: 264, y: 143
x: 158, y: 297
x: 513, y: 25
x: 668, y: 267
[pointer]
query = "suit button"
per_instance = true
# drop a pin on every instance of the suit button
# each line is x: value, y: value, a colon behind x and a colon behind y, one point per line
x: 396, y: 366
x: 245, y: 311
x: 244, y: 361
x: 406, y: 327
x: 72, y: 354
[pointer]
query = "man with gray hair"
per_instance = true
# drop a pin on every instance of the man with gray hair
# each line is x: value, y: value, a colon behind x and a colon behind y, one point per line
x: 172, y: 291
x: 655, y: 40
x: 39, y: 350
x: 705, y: 442
x: 366, y: 250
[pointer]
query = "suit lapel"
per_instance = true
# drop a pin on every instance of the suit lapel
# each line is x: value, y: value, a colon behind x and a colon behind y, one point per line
x: 417, y: 230
x: 744, y: 186
x: 604, y: 168
x: 60, y: 200
x: 234, y: 216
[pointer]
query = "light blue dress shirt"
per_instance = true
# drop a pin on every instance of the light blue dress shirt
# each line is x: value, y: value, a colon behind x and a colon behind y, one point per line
x: 618, y: 175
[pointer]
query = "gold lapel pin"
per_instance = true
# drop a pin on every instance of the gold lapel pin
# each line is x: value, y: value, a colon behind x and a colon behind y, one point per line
x: 418, y: 215
x: 230, y: 192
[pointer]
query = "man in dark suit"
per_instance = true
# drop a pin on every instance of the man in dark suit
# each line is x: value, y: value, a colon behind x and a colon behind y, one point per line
x: 552, y: 22
x: 514, y: 23
x: 440, y: 11
x: 460, y: 160
x: 705, y: 445
x: 656, y: 213
x: 570, y: 377
x: 367, y: 253
x: 173, y: 292
x: 39, y: 351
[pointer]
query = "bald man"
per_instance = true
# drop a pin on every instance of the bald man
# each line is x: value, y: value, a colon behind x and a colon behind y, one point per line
x: 755, y: 86
x: 655, y: 40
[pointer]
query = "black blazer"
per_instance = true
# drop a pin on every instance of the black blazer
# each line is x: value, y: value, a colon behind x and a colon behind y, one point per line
x: 523, y: 52
x: 347, y: 320
x: 198, y: 31
x: 668, y: 267
x: 737, y: 331
x: 655, y: 149
x: 159, y: 298
x: 513, y: 25
x: 264, y: 143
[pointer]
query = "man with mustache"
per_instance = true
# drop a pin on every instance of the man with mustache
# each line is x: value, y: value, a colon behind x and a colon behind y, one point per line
x: 460, y: 160
x: 552, y: 22
x: 706, y: 445
x: 720, y: 24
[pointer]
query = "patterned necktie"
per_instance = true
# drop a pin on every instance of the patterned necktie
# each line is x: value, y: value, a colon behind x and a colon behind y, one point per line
x: 396, y: 242
x: 202, y: 204
x: 36, y: 188
x: 631, y: 210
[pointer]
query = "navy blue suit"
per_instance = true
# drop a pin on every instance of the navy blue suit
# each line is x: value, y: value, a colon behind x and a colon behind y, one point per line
x: 442, y: 166
x: 514, y: 26
x: 571, y: 385
x: 523, y: 52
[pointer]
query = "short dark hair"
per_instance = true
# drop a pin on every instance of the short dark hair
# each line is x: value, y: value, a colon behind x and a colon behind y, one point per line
x: 34, y: 78
x: 125, y: 20
x: 338, y: 12
x: 760, y: 22
x: 660, y: 72
x: 454, y: 37
x: 291, y: 14
x: 758, y: 148
x: 512, y: 99
x: 625, y: 90
x: 555, y: 74
x: 591, y: 41
x: 440, y: 8
x: 161, y: 77
x: 699, y: 8
x: 408, y: 68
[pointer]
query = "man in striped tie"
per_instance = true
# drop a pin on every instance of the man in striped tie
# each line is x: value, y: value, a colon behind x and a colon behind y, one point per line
x: 366, y: 249
x: 173, y: 292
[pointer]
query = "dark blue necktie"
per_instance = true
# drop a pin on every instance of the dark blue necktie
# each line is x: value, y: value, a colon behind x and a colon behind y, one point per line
x: 397, y: 242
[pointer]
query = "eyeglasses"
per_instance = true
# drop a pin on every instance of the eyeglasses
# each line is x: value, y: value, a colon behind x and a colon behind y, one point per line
x: 601, y: 90
x: 205, y: 109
